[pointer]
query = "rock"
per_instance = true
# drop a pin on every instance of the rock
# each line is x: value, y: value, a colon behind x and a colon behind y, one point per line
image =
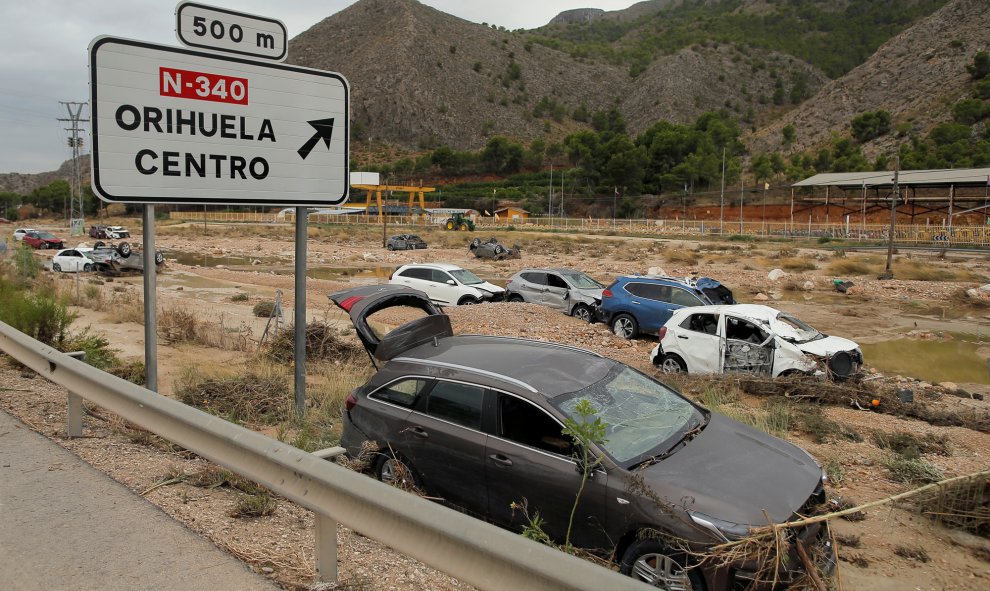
x: 761, y: 297
x: 985, y: 288
x: 267, y: 569
x: 656, y: 271
x: 775, y: 295
x: 809, y: 285
x: 776, y: 274
x: 950, y: 386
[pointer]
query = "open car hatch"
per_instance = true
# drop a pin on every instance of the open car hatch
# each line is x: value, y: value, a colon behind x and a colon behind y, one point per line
x: 361, y: 302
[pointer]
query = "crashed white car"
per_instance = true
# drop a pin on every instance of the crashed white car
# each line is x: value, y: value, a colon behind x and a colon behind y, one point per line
x: 753, y: 339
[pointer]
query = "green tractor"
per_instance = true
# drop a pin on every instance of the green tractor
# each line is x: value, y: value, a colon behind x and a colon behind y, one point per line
x: 459, y: 221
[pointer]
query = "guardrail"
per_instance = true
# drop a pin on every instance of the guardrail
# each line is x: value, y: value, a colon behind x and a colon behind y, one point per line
x: 471, y: 550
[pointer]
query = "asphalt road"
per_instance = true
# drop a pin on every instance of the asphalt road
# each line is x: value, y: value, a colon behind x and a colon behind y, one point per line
x: 65, y: 525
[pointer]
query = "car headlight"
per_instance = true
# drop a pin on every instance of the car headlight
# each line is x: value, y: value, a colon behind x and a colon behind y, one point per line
x: 724, y: 530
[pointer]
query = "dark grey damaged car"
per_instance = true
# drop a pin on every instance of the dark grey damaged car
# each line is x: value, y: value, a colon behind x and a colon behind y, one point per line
x: 477, y: 422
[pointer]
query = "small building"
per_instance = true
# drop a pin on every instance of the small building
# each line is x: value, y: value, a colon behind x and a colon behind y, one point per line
x: 512, y: 213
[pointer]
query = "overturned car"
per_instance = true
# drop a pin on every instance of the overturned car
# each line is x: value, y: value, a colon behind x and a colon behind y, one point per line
x: 753, y: 339
x: 116, y: 259
x: 491, y: 249
x: 478, y: 421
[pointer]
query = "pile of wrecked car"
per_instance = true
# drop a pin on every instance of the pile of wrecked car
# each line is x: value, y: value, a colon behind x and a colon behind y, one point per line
x: 491, y: 249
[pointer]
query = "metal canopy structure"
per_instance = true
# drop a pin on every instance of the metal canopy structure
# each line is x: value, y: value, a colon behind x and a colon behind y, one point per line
x: 377, y: 190
x: 946, y: 192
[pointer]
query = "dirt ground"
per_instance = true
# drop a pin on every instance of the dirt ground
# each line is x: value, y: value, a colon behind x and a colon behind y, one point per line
x: 219, y: 263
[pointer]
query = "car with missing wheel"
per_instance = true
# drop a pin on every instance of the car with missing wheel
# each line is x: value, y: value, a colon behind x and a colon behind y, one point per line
x: 477, y: 422
x: 635, y: 304
x: 405, y: 242
x: 46, y: 240
x: 568, y: 290
x: 754, y: 339
x: 446, y: 284
x: 116, y: 259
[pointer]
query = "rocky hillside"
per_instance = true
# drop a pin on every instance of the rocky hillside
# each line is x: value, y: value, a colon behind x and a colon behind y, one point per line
x: 23, y: 184
x: 420, y: 78
x: 916, y: 77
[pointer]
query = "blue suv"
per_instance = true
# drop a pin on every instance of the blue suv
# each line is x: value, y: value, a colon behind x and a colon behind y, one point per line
x: 636, y: 304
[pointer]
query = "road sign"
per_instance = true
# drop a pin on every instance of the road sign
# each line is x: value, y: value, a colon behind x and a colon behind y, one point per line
x: 173, y: 125
x: 219, y: 29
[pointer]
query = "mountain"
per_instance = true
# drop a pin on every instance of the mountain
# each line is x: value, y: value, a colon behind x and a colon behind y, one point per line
x: 23, y: 184
x: 421, y: 78
x: 916, y: 77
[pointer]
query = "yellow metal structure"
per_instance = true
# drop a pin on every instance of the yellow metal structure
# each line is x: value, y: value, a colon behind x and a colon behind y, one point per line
x: 379, y: 189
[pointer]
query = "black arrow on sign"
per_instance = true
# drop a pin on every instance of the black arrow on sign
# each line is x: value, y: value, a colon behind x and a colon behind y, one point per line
x: 324, y: 131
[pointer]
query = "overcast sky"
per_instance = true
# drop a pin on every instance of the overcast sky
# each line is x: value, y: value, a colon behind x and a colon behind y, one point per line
x: 43, y: 53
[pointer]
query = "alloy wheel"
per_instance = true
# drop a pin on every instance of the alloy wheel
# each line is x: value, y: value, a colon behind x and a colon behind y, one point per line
x: 663, y: 572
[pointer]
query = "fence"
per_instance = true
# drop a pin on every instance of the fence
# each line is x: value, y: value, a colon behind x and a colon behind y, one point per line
x: 929, y: 235
x: 471, y: 550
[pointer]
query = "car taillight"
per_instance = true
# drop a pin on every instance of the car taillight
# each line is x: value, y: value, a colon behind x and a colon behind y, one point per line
x: 349, y: 302
x: 350, y: 402
x: 607, y: 293
x: 663, y: 332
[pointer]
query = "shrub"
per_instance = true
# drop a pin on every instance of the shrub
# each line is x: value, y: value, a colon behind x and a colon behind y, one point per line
x: 258, y: 505
x: 870, y: 125
x: 239, y: 297
x: 41, y: 315
x: 256, y: 396
x: 912, y: 470
x: 263, y: 309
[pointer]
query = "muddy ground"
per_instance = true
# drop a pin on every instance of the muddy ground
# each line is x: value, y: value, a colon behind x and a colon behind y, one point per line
x: 915, y: 332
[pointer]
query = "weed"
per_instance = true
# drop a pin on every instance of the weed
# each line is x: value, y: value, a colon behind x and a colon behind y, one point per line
x: 797, y: 265
x: 39, y: 313
x: 912, y: 470
x: 261, y: 395
x: 912, y: 553
x: 257, y: 505
x: 812, y: 420
x: 848, y: 540
x: 239, y: 297
x: 846, y: 267
x: 688, y: 257
x: 912, y: 446
x: 263, y: 309
x: 322, y: 342
x: 834, y: 470
x: 177, y: 324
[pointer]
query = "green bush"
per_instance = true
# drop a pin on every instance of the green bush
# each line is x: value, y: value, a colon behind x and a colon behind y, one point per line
x: 40, y: 315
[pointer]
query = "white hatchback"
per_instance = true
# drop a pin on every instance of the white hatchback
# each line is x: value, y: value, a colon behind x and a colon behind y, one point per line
x: 446, y: 284
x: 20, y: 232
x: 750, y: 338
x: 73, y: 260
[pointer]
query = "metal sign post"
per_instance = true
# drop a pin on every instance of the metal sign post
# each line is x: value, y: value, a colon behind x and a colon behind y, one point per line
x: 150, y: 300
x: 299, y: 353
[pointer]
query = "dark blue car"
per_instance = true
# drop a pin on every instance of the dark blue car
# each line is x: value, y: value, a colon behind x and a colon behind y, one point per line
x: 636, y: 304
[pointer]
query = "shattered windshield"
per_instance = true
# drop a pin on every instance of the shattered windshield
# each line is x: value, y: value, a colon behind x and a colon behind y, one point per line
x: 582, y: 281
x: 640, y: 414
x: 466, y: 277
x: 791, y: 329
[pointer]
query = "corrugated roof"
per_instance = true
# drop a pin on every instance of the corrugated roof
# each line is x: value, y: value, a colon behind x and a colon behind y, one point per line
x: 885, y: 178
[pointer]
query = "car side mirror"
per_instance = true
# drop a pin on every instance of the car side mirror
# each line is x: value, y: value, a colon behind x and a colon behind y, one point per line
x: 451, y: 282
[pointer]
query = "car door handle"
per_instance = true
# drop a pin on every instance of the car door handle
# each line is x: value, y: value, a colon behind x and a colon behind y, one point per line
x: 635, y: 302
x: 680, y: 336
x: 501, y: 460
x: 419, y: 432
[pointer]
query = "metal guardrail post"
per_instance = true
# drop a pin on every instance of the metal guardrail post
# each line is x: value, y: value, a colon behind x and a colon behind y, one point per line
x: 74, y: 410
x: 326, y: 549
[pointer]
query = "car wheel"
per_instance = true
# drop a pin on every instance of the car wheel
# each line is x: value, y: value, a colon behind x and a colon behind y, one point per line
x: 516, y: 298
x: 475, y: 243
x: 672, y: 364
x: 47, y: 246
x: 653, y: 563
x: 397, y: 471
x: 56, y: 267
x: 99, y: 244
x: 625, y: 326
x: 582, y: 312
x: 389, y: 247
x: 124, y: 249
x: 88, y: 267
x: 468, y: 301
x: 159, y: 258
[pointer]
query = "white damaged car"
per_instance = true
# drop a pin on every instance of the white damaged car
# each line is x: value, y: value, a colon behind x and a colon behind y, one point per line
x: 753, y: 339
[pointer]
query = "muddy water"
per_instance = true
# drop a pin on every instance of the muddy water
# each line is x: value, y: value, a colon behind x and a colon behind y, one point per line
x: 958, y: 360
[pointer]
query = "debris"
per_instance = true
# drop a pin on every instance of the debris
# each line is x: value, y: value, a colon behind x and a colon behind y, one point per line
x: 842, y: 286
x: 809, y: 285
x: 656, y: 271
x: 761, y: 297
x: 776, y: 274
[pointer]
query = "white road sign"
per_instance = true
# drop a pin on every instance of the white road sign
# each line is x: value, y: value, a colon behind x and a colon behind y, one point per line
x: 174, y: 125
x: 208, y: 27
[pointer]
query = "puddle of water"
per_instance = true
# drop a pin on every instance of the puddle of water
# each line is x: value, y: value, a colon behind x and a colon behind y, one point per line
x: 954, y: 360
x: 211, y: 260
x: 342, y: 273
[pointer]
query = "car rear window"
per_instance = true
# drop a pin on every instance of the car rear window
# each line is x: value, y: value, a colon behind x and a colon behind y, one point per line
x: 403, y: 392
x: 650, y: 291
x: 458, y: 403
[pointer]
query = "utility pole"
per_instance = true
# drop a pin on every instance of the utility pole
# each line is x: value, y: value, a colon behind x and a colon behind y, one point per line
x: 76, y: 221
x: 889, y: 272
x: 721, y: 197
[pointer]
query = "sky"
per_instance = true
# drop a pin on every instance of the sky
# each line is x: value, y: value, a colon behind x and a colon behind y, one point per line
x: 43, y: 53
